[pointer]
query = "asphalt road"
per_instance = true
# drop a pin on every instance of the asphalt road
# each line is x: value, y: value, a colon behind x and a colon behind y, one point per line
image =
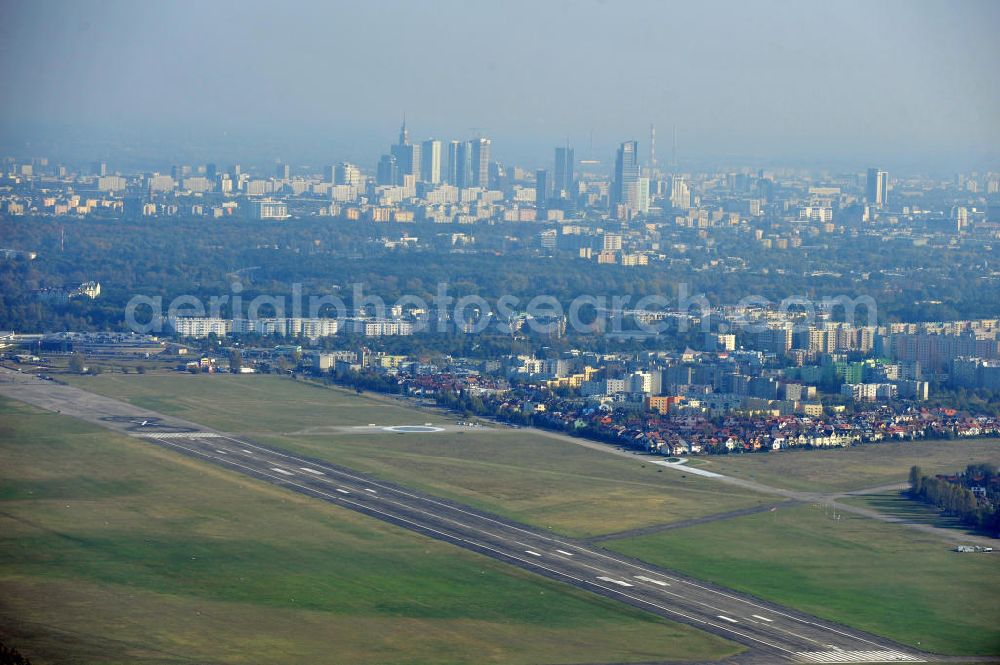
x: 773, y: 633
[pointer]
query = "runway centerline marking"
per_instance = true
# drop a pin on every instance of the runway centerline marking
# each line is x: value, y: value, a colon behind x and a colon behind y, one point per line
x: 650, y: 580
x: 449, y: 537
x: 614, y: 581
x: 680, y: 581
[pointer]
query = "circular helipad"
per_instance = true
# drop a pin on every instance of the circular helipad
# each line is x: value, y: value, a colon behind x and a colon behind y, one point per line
x: 413, y: 429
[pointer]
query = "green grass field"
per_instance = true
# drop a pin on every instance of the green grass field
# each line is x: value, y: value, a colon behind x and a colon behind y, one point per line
x: 846, y: 469
x: 875, y: 576
x: 114, y: 551
x: 531, y: 478
x: 248, y: 403
x: 895, y: 504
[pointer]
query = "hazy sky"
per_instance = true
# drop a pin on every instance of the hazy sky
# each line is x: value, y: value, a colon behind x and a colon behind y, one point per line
x: 890, y: 82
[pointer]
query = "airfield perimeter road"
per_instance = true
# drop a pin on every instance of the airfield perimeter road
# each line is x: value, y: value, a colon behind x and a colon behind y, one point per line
x: 773, y: 633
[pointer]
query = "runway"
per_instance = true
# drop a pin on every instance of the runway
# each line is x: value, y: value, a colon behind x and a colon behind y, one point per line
x: 772, y: 632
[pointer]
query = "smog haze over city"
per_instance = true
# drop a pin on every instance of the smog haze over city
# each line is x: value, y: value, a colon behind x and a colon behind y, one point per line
x: 911, y: 83
x: 519, y: 333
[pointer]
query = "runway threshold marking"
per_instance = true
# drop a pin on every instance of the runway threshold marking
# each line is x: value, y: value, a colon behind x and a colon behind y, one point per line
x: 650, y: 580
x: 842, y: 656
x: 282, y: 471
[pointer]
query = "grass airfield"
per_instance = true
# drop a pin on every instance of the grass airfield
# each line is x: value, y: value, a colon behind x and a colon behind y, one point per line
x: 879, y: 577
x: 115, y: 551
x: 534, y: 479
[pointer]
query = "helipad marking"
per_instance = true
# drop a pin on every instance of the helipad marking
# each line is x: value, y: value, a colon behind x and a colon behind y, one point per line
x: 413, y: 429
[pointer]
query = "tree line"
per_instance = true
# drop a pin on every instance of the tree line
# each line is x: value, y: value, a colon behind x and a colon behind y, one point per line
x: 954, y: 496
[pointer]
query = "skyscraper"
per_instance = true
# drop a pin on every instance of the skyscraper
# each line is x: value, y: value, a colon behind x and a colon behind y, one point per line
x: 626, y: 173
x: 541, y: 188
x: 562, y: 185
x: 347, y: 174
x: 877, y: 188
x: 388, y: 171
x: 430, y: 166
x: 463, y: 165
x: 480, y: 162
x: 638, y: 195
x: 407, y: 156
x: 453, y: 149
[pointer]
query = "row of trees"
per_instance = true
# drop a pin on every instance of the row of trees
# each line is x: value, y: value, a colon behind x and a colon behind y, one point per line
x: 955, y: 498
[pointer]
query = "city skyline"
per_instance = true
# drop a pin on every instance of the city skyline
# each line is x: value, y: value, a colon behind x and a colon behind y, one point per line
x: 514, y: 332
x: 872, y: 88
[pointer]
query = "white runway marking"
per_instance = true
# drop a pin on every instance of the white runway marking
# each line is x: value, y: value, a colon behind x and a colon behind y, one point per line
x: 342, y: 491
x: 565, y: 552
x: 368, y: 489
x: 181, y: 435
x: 690, y: 469
x: 422, y: 527
x: 729, y: 619
x: 247, y: 452
x: 683, y: 583
x: 614, y: 581
x: 650, y: 580
x: 425, y: 429
x: 757, y: 616
x: 221, y: 452
x: 838, y: 656
x: 312, y: 471
x: 282, y: 471
x: 532, y: 553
